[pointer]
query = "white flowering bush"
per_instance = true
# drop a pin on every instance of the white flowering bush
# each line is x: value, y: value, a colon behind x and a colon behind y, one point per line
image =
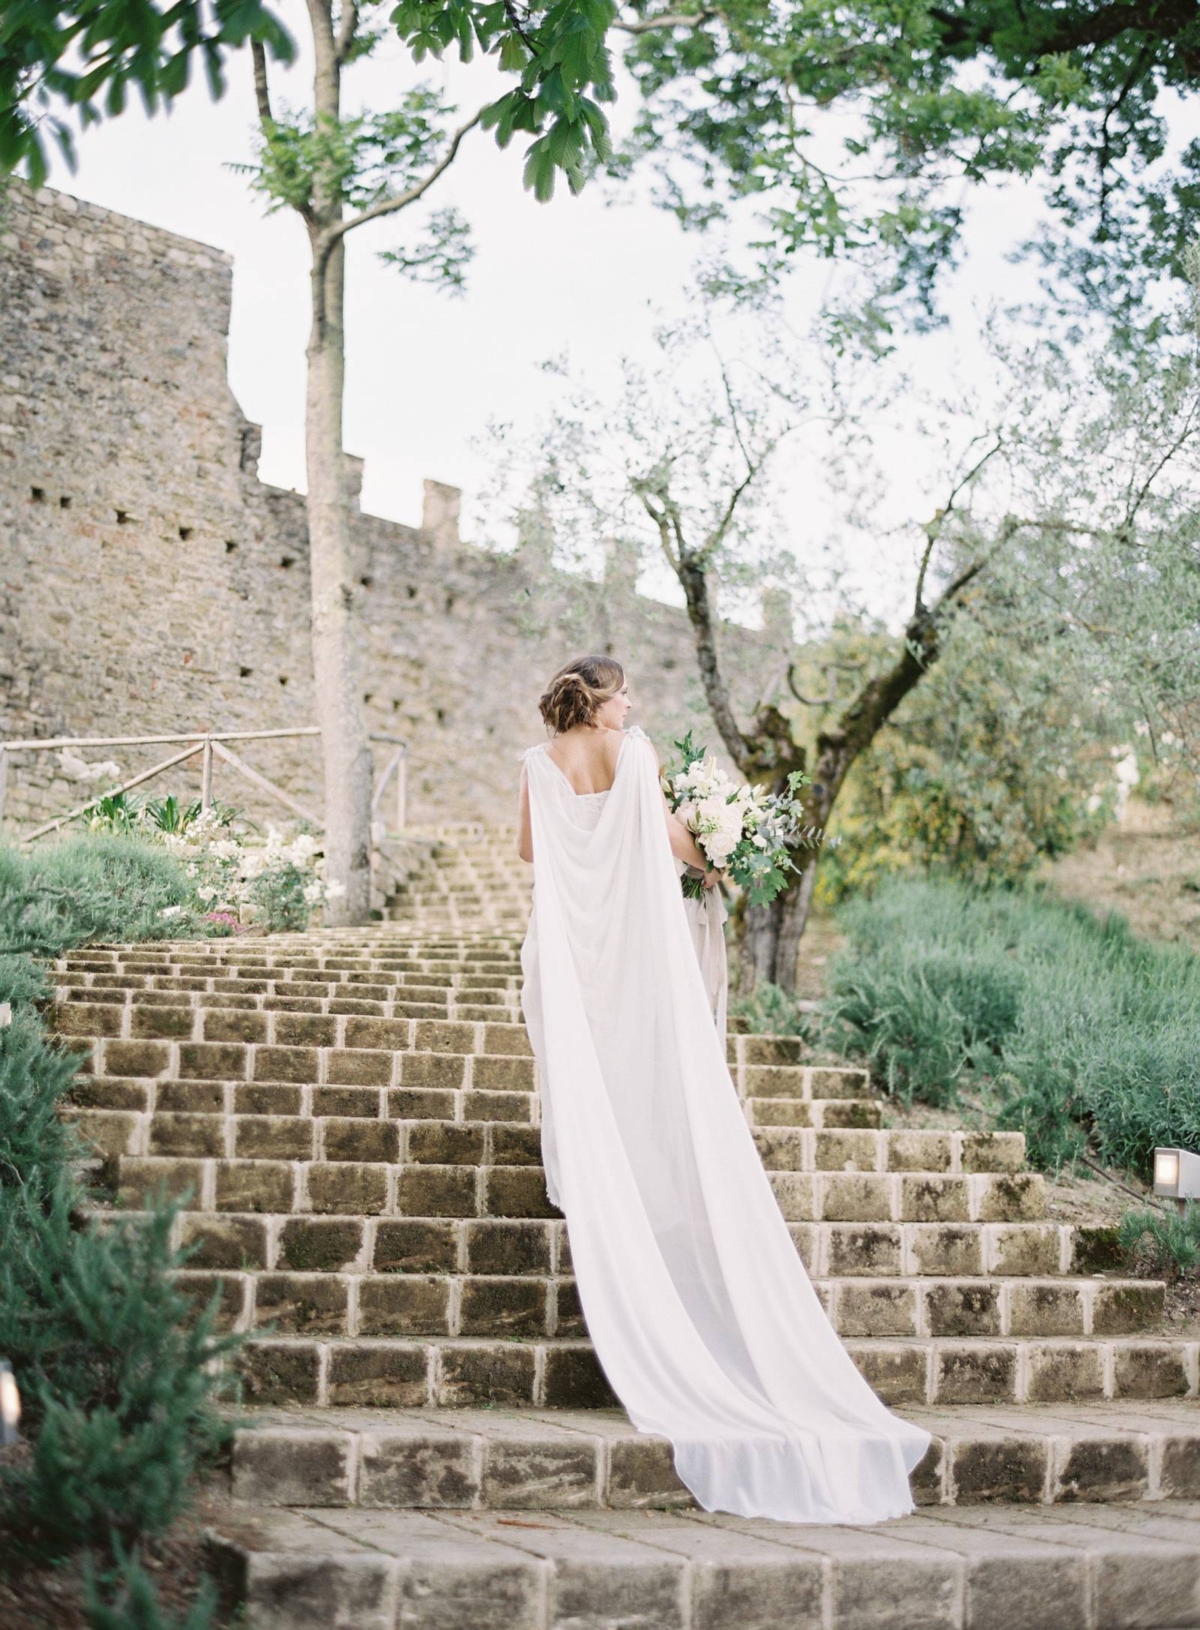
x: 240, y: 878
x: 741, y: 829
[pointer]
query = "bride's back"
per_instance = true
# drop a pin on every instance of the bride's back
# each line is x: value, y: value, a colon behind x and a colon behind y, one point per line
x: 587, y: 756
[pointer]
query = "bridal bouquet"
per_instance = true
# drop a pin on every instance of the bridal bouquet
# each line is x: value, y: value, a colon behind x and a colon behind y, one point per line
x: 744, y: 829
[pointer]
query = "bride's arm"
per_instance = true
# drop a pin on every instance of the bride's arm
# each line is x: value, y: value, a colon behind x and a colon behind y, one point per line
x: 685, y: 847
x: 524, y: 828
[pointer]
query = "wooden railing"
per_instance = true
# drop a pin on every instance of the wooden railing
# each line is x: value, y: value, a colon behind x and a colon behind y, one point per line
x: 212, y: 745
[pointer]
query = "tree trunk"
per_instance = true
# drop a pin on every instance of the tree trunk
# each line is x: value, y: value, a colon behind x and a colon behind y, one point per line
x: 346, y: 750
x: 337, y: 682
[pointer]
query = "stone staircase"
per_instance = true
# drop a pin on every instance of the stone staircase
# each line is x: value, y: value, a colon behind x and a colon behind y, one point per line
x: 353, y: 1120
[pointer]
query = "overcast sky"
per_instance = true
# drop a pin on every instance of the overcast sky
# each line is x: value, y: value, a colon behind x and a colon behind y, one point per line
x: 582, y: 276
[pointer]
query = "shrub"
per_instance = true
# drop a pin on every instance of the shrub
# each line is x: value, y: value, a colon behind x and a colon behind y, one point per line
x: 124, y: 1598
x: 115, y: 1365
x: 1081, y: 1030
x: 771, y: 1010
x: 97, y: 888
x: 1171, y: 1238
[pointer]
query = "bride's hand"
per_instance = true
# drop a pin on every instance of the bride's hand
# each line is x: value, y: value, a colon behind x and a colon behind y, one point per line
x: 712, y: 877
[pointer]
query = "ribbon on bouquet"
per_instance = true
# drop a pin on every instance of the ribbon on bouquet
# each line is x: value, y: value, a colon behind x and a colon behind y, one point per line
x: 706, y: 919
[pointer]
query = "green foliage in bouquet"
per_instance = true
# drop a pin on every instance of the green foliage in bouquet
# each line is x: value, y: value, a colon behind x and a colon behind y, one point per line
x: 768, y: 825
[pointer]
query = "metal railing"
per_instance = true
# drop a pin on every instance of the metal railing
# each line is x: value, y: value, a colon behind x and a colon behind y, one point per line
x: 212, y: 746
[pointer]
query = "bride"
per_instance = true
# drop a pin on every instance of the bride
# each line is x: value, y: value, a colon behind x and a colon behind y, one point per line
x: 696, y: 1300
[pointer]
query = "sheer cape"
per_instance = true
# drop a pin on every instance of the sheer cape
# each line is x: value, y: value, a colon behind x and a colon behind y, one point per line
x: 696, y: 1300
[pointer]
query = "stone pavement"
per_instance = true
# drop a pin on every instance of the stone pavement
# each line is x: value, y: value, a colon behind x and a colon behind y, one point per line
x: 428, y: 1438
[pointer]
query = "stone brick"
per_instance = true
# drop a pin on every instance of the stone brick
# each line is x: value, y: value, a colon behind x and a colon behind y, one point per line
x: 1150, y: 1370
x: 773, y: 1081
x: 515, y: 1145
x: 641, y: 1472
x: 480, y: 1375
x: 1045, y: 1310
x: 494, y: 1306
x: 934, y: 1199
x: 225, y: 1242
x: 870, y: 1250
x: 394, y: 1376
x: 496, y: 1106
x: 506, y: 1038
x: 224, y: 1024
x: 112, y: 1132
x: 199, y: 1135
x: 362, y: 1140
x: 441, y: 1036
x: 1096, y: 1250
x: 360, y: 1102
x: 517, y: 1191
x: 1025, y: 1249
x: 897, y: 1374
x: 1063, y: 1373
x: 992, y: 1151
x: 211, y: 1061
x: 1012, y: 1469
x: 384, y: 1035
x: 419, y: 1104
x: 254, y: 1185
x: 845, y: 1151
x: 850, y: 1197
x: 343, y: 1188
x: 947, y: 1251
x: 963, y: 1308
x: 442, y: 1072
x: 291, y: 1467
x: 304, y: 1030
x: 320, y: 1244
x: 190, y: 1098
x: 88, y: 1019
x: 437, y: 1191
x: 918, y: 1151
x: 285, y: 1064
x: 444, y: 1143
x: 773, y: 1050
x: 839, y: 1083
x: 305, y: 1304
x: 266, y: 1098
x: 403, y: 1305
x: 495, y: 1247
x: 1103, y: 1470
x: 975, y: 1374
x: 1012, y: 1197
x: 416, y: 1246
x: 278, y: 1372
x: 568, y: 1309
x: 136, y: 1057
x: 141, y: 1180
x: 419, y: 1469
x: 574, y: 1379
x: 877, y: 1308
x: 359, y: 1067
x: 1126, y: 1309
x: 531, y: 1473
x: 501, y: 1074
x: 159, y: 1022
x: 273, y: 1137
x: 108, y: 1092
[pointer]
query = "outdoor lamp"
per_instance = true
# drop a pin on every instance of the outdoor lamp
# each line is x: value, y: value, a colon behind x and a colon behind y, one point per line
x: 10, y: 1404
x: 1177, y: 1174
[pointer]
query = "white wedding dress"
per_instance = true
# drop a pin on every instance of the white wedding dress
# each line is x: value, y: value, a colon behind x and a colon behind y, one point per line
x: 697, y: 1303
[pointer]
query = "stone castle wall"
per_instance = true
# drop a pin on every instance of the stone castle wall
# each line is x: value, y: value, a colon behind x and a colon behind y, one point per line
x: 150, y: 583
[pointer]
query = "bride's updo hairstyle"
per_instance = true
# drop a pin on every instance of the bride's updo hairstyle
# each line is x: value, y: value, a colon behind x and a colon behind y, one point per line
x: 577, y: 692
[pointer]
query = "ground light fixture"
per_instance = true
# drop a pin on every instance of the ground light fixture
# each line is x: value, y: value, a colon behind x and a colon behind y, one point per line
x: 10, y: 1404
x: 1177, y: 1174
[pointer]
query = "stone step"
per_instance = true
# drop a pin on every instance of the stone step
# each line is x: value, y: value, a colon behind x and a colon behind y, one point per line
x: 383, y: 1187
x: 368, y: 1123
x: 437, y: 1245
x: 1093, y: 1567
x: 562, y: 1373
x: 523, y: 1460
x: 328, y: 1302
